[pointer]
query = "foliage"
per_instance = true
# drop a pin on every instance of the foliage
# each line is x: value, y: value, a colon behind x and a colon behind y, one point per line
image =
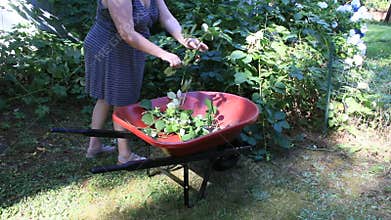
x: 175, y: 119
x: 278, y: 54
x: 379, y: 5
x: 38, y: 68
x: 77, y: 17
x: 365, y: 94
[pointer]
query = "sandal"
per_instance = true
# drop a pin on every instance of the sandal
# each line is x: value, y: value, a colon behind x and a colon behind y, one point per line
x: 132, y: 157
x: 92, y: 153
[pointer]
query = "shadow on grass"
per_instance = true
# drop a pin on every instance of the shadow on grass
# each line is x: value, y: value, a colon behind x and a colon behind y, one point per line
x: 232, y: 194
x: 35, y: 161
x: 38, y: 163
x: 28, y: 169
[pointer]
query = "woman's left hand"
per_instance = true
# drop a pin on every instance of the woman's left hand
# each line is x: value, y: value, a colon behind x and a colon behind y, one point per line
x: 194, y: 43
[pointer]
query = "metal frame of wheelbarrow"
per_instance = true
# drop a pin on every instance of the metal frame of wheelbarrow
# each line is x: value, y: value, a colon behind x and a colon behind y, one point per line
x: 212, y: 155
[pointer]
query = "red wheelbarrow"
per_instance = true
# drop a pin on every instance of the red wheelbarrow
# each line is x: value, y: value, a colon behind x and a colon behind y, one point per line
x: 233, y: 113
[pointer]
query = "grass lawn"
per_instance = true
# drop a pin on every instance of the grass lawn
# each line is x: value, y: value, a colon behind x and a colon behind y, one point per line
x: 346, y: 175
x: 378, y: 40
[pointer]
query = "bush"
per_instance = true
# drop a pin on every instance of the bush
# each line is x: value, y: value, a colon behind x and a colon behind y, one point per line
x: 78, y: 16
x: 39, y: 68
x: 378, y: 5
x: 276, y: 54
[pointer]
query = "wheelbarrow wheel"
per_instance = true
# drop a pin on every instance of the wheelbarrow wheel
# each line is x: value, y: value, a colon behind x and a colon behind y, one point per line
x: 226, y: 161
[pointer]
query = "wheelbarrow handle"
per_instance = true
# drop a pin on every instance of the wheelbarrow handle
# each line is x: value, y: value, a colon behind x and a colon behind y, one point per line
x: 171, y: 160
x: 93, y: 132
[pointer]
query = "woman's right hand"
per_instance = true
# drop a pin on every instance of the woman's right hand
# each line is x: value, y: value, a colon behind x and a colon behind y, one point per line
x: 172, y: 59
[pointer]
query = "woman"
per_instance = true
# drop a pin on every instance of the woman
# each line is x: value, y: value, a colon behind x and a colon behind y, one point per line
x: 115, y: 51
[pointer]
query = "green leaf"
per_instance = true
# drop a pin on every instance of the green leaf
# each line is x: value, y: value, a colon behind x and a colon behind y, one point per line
x: 187, y: 137
x: 171, y: 95
x: 168, y: 129
x: 279, y: 48
x: 59, y: 90
x: 184, y: 116
x: 199, y: 122
x: 208, y: 103
x: 190, y: 135
x: 146, y: 104
x: 279, y: 116
x: 148, y: 119
x: 211, y: 108
x: 298, y: 16
x: 240, y: 77
x: 285, y: 124
x: 280, y: 85
x: 170, y: 112
x: 160, y: 125
x: 237, y: 54
x: 147, y: 131
x: 248, y: 59
x: 354, y: 107
x: 204, y: 131
x: 277, y: 127
x: 42, y: 110
x: 216, y: 23
x: 256, y: 98
x: 175, y: 127
x: 280, y: 125
x: 250, y: 140
x: 169, y: 71
x: 296, y: 73
x: 282, y: 141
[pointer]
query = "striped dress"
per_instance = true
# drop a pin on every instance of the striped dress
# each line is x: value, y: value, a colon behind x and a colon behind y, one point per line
x: 114, y: 70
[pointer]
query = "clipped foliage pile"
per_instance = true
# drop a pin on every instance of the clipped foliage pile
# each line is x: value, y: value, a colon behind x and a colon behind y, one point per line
x: 172, y: 119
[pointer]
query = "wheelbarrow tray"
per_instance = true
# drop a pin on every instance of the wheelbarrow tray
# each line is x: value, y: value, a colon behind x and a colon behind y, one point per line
x: 233, y: 113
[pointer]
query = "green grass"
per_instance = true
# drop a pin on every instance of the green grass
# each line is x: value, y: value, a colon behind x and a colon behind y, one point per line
x: 378, y: 40
x: 45, y: 176
x: 377, y: 70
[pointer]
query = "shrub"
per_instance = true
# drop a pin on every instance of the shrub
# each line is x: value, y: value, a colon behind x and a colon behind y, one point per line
x: 276, y: 54
x: 378, y: 5
x: 38, y: 68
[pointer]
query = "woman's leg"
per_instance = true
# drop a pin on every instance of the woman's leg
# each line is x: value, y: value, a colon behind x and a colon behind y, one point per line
x: 99, y: 116
x: 123, y: 147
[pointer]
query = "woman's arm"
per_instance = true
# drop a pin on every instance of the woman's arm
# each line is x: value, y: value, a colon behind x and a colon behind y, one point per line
x: 171, y: 24
x: 121, y: 11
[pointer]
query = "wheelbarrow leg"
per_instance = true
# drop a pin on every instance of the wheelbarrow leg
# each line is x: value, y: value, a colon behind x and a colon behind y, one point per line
x: 149, y: 156
x: 186, y: 184
x: 205, y: 180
